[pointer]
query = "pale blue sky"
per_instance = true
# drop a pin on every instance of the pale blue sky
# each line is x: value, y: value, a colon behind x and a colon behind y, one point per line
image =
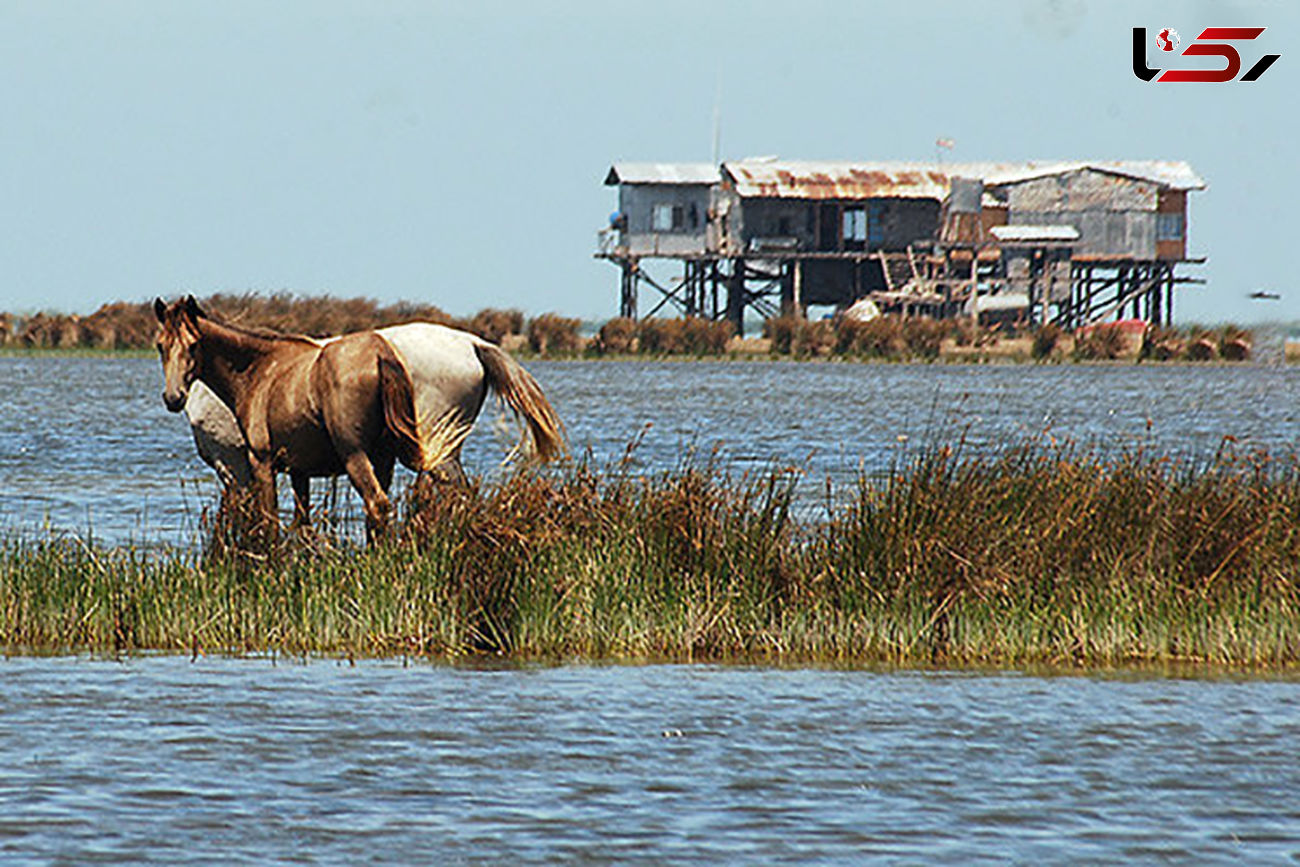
x: 453, y: 153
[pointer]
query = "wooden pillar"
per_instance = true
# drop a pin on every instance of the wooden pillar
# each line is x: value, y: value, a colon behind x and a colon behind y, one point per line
x: 797, y: 280
x: 627, y: 301
x: 1085, y: 297
x: 1157, y: 294
x: 1077, y: 276
x: 1143, y: 272
x: 973, y: 294
x: 1135, y: 306
x: 1121, y: 286
x: 1089, y: 288
x: 690, y: 286
x: 1077, y: 272
x: 792, y: 288
x: 1148, y: 279
x: 1169, y: 295
x: 715, y: 277
x: 736, y: 297
x: 1130, y: 282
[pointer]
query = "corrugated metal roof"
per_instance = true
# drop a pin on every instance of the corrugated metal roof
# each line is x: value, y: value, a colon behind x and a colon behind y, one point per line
x: 1023, y: 233
x: 837, y: 180
x: 1173, y: 174
x: 804, y: 179
x: 662, y: 173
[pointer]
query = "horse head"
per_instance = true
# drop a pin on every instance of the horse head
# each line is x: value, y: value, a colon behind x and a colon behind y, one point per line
x: 179, y: 348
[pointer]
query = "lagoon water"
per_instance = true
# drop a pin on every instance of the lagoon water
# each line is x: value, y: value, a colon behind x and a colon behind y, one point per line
x: 160, y: 759
x: 87, y: 447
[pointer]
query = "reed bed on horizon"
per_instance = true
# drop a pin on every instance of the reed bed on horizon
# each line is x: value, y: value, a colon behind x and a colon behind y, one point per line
x: 125, y: 325
x: 1042, y: 555
x: 131, y: 326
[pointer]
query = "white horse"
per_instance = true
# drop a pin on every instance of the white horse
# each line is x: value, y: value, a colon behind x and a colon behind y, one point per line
x: 451, y: 371
x: 217, y: 436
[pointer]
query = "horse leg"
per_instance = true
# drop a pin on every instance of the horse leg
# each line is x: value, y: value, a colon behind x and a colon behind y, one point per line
x: 383, y: 465
x: 361, y: 472
x: 301, y: 500
x: 384, y: 471
x: 264, y: 495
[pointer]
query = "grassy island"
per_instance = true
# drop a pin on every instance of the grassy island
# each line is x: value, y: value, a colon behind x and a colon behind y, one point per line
x: 1040, y: 556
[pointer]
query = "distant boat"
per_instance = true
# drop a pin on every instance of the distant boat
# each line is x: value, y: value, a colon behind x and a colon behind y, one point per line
x: 1261, y: 295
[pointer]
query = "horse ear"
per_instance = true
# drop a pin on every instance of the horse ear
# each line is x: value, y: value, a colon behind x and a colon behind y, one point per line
x: 159, y: 309
x: 192, y: 307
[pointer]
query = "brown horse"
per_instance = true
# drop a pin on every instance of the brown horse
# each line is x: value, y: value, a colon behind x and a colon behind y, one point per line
x: 346, y: 405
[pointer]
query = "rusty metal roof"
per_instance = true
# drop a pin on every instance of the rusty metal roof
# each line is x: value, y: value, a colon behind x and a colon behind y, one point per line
x: 662, y: 173
x: 835, y: 180
x: 1172, y: 174
x: 800, y: 179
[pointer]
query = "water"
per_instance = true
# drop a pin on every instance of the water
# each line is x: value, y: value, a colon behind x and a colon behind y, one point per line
x: 160, y: 760
x: 86, y: 445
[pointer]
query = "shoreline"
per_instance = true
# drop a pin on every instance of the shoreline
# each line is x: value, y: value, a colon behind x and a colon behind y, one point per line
x: 130, y: 327
x: 757, y: 350
x: 1172, y: 669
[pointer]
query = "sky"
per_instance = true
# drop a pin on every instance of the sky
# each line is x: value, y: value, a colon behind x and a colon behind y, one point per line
x: 453, y: 153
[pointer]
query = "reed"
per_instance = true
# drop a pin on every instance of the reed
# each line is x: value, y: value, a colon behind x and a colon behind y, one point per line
x: 691, y: 335
x: 551, y: 334
x: 1042, y: 555
x: 122, y: 325
x: 1046, y: 340
x: 132, y: 326
x: 1103, y: 342
x: 616, y: 337
x: 802, y: 338
x: 893, y: 337
x: 1196, y: 343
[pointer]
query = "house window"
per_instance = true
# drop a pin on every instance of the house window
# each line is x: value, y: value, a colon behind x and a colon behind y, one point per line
x: 668, y: 218
x: 855, y: 228
x: 1169, y: 227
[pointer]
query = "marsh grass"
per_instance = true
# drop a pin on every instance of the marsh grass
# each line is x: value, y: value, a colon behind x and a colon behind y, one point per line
x: 1042, y: 555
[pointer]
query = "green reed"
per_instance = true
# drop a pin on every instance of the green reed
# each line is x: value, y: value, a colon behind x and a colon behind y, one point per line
x: 1041, y: 555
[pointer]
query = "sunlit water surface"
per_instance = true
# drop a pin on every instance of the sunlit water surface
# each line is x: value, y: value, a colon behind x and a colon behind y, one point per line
x: 160, y: 760
x: 163, y: 760
x: 86, y: 445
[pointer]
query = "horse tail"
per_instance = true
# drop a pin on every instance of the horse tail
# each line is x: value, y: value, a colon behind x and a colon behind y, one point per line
x: 517, y: 388
x: 422, y: 443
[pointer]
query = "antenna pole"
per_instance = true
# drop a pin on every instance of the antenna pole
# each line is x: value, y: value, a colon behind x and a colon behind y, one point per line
x: 717, y: 116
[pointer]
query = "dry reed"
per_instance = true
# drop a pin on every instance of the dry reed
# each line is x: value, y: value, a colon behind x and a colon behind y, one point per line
x: 132, y: 326
x: 551, y: 334
x: 123, y: 325
x: 1040, y: 555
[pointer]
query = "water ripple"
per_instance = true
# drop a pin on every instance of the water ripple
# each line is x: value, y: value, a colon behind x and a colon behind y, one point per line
x: 157, y: 759
x: 106, y: 457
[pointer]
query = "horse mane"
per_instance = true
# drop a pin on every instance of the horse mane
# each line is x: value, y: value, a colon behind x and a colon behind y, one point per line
x: 261, y: 333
